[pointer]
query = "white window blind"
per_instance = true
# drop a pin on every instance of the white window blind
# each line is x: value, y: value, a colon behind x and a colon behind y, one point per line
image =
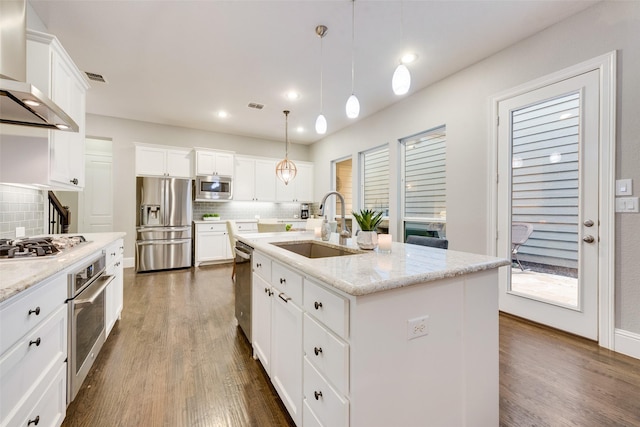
x: 425, y: 174
x: 545, y: 191
x: 375, y: 179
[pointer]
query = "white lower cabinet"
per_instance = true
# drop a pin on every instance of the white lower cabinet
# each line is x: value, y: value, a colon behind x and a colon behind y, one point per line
x: 212, y: 243
x: 261, y: 321
x: 33, y: 365
x: 329, y: 407
x: 286, y: 352
x: 114, y: 293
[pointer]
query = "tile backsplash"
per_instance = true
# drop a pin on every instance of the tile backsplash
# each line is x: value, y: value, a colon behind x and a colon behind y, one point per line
x: 21, y: 207
x: 248, y: 210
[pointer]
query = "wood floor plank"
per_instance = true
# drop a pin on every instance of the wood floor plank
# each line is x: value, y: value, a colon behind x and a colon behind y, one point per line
x: 176, y: 358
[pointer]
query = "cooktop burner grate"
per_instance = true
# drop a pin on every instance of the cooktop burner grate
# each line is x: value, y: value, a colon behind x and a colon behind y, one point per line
x: 37, y: 246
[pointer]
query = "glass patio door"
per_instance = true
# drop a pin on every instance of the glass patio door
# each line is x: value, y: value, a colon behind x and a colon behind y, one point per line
x: 548, y: 204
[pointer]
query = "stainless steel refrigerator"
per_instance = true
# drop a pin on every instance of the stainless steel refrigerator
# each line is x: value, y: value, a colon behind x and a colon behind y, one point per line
x: 163, y: 224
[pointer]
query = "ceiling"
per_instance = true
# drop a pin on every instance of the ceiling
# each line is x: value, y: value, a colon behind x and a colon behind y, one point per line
x: 180, y: 62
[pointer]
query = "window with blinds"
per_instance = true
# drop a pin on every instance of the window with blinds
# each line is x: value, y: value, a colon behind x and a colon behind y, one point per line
x: 424, y: 172
x: 545, y: 181
x: 375, y: 179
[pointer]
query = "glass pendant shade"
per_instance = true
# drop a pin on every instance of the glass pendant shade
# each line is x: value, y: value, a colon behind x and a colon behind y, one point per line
x: 286, y: 170
x: 353, y: 107
x: 401, y: 81
x: 321, y: 124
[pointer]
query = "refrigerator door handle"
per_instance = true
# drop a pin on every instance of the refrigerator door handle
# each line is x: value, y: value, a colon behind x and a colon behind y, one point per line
x: 165, y: 229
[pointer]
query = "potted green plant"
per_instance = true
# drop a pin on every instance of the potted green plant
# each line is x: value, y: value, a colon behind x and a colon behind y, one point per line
x: 211, y: 217
x: 368, y: 220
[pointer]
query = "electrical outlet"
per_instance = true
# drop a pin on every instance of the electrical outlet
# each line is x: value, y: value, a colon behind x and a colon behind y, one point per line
x: 19, y: 232
x: 417, y: 327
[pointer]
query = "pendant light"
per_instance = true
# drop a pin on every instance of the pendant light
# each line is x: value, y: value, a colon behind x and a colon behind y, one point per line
x: 353, y: 105
x: 401, y: 80
x: 286, y: 170
x: 321, y: 121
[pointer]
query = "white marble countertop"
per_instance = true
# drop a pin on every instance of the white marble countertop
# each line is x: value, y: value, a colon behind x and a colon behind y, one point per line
x: 19, y: 275
x: 373, y: 271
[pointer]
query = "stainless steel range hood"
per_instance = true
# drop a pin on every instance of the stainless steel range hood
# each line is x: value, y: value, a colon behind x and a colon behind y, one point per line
x: 20, y: 102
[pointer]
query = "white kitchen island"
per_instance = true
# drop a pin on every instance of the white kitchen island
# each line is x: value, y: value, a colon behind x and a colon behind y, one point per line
x: 407, y: 338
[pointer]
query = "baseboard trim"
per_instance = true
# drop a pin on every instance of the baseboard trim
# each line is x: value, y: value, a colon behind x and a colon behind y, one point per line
x: 129, y: 262
x: 627, y: 343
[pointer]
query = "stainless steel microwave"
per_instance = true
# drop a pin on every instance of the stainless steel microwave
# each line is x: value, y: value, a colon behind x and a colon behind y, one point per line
x: 213, y: 187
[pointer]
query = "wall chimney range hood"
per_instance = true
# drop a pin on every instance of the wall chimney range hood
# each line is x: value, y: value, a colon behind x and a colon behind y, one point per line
x: 20, y: 102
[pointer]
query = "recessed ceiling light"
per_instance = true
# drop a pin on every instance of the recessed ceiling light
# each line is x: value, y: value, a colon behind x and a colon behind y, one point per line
x: 31, y: 102
x: 408, y: 58
x: 293, y: 95
x: 300, y: 129
x: 222, y: 114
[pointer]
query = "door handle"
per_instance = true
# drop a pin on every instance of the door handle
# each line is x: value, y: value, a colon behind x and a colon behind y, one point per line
x: 589, y: 238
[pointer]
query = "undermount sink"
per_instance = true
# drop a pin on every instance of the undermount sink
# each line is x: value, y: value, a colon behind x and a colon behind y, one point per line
x: 314, y: 249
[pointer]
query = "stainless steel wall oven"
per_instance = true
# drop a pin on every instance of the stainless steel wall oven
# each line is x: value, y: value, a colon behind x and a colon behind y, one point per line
x: 86, y: 306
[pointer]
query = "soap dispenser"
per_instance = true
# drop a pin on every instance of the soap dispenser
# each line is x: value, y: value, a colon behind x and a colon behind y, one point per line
x: 325, y: 232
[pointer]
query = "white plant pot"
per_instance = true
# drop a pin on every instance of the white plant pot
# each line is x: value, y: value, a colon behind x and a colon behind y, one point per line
x: 367, y: 239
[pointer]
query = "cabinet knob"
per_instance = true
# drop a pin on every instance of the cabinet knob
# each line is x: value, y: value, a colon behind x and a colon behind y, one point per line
x: 74, y: 181
x: 266, y: 290
x: 36, y: 342
x: 113, y: 254
x: 283, y: 281
x: 36, y: 311
x: 317, y: 305
x: 317, y: 350
x: 34, y: 421
x: 258, y: 265
x: 317, y: 394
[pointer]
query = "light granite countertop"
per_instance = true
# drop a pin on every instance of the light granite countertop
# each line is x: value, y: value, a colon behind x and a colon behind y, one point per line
x: 373, y: 271
x: 19, y: 275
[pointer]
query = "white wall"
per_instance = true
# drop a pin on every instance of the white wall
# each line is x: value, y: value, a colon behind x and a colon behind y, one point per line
x: 462, y: 103
x: 124, y: 133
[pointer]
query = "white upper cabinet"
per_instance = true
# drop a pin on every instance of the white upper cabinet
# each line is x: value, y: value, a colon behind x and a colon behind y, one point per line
x: 210, y: 162
x: 55, y: 158
x: 162, y: 161
x: 254, y: 179
x: 298, y: 190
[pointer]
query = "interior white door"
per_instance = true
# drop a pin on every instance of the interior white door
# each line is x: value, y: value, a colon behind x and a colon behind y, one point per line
x: 548, y: 168
x: 96, y: 201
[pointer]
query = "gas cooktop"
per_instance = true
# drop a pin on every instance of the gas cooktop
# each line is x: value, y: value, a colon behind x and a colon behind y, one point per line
x: 37, y: 247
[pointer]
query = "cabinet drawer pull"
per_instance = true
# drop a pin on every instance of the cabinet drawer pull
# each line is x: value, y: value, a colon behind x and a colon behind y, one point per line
x: 34, y: 421
x: 36, y: 311
x: 317, y: 305
x: 283, y: 281
x: 74, y: 181
x: 258, y: 265
x: 317, y: 350
x: 317, y: 394
x: 36, y: 342
x: 285, y: 298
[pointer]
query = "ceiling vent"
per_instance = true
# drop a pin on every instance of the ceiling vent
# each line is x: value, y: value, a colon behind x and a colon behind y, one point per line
x: 255, y: 105
x: 95, y: 77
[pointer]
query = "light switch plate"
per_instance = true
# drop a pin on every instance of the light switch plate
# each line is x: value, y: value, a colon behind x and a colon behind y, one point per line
x: 627, y: 204
x: 19, y: 232
x: 624, y: 187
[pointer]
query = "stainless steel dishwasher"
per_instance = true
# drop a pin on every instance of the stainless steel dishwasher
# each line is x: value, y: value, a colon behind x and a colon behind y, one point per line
x: 243, y: 284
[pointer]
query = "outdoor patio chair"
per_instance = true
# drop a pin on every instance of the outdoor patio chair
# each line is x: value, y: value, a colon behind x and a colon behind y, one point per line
x: 520, y: 232
x: 433, y: 242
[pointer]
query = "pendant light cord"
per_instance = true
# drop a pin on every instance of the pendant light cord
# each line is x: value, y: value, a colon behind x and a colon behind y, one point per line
x: 321, y: 69
x: 286, y: 134
x: 353, y: 31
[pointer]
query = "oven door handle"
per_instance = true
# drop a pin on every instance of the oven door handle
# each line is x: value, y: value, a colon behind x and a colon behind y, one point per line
x: 103, y: 281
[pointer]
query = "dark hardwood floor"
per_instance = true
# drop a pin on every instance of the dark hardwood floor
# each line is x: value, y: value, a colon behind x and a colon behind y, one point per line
x: 177, y: 359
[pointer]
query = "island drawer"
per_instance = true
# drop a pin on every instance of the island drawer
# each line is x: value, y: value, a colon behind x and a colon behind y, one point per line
x: 262, y: 266
x: 329, y: 407
x: 328, y: 353
x: 309, y: 419
x: 23, y: 366
x: 29, y: 308
x: 287, y: 281
x: 327, y: 307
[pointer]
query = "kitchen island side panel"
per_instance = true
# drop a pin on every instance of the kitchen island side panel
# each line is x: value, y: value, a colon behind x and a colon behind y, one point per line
x: 425, y: 380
